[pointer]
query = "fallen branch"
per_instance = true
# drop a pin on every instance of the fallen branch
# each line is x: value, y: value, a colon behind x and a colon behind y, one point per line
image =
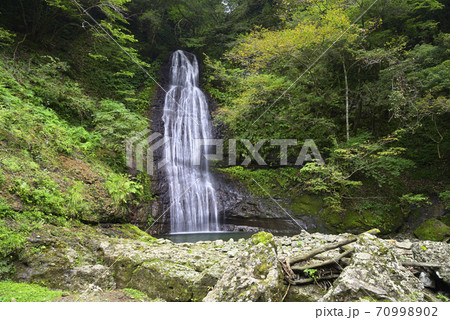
x: 418, y: 264
x: 324, y: 263
x: 287, y: 270
x: 287, y: 291
x: 309, y: 255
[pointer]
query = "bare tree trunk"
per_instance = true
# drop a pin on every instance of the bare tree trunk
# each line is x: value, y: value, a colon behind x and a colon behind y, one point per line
x: 25, y: 23
x: 347, y: 125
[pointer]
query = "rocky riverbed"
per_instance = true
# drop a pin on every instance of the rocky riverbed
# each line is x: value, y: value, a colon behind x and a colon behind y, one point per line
x: 88, y: 260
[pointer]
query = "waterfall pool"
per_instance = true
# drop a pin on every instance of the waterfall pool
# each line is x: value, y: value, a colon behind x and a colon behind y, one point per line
x: 192, y: 237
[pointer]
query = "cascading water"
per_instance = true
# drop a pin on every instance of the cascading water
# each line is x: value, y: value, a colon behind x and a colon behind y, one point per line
x: 186, y: 118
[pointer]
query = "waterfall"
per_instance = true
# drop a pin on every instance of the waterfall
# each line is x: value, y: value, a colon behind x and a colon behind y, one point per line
x: 186, y: 118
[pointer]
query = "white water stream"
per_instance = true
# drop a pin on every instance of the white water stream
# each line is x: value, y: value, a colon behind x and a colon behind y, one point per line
x: 186, y: 118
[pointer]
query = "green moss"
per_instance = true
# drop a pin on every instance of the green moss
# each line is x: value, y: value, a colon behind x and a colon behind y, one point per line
x: 133, y: 232
x: 262, y: 269
x: 432, y: 229
x: 307, y: 205
x: 22, y: 292
x: 356, y: 219
x: 386, y: 219
x: 262, y: 237
x: 369, y: 299
x: 136, y: 294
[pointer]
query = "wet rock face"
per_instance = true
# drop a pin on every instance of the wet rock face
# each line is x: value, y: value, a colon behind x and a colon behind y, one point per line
x: 239, y: 210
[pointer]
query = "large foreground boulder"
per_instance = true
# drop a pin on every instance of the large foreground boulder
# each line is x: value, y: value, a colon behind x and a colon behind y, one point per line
x: 87, y: 258
x: 255, y: 274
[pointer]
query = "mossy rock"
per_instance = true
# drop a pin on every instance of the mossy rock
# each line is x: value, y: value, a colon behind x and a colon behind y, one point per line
x: 166, y: 280
x: 446, y: 219
x: 308, y: 293
x: 132, y: 232
x: 307, y: 205
x: 352, y: 220
x: 356, y: 221
x: 432, y: 229
x: 262, y: 237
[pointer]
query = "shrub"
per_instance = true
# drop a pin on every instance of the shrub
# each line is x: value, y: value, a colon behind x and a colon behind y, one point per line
x: 121, y: 188
x: 11, y: 240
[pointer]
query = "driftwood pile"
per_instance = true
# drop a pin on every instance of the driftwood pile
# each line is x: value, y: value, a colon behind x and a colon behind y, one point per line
x: 299, y: 270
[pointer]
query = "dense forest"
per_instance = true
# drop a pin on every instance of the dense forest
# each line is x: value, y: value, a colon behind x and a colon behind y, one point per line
x: 367, y: 80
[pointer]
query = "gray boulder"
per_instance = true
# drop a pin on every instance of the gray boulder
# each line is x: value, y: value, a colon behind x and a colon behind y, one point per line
x: 374, y: 274
x: 434, y: 252
x: 255, y: 274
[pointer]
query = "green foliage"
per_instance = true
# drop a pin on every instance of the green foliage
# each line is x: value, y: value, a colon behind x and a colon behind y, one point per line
x: 115, y: 123
x: 77, y: 202
x: 146, y: 195
x: 311, y: 273
x: 48, y: 126
x: 6, y: 37
x: 47, y: 198
x: 65, y: 97
x: 445, y: 197
x: 442, y: 297
x: 12, y: 164
x: 25, y: 116
x: 415, y: 199
x: 276, y: 182
x: 391, y: 69
x: 11, y: 239
x: 253, y: 92
x: 22, y: 292
x: 68, y: 93
x: 5, y: 210
x: 328, y: 180
x: 41, y: 120
x: 121, y: 188
x: 208, y: 26
x: 372, y: 160
x: 262, y: 48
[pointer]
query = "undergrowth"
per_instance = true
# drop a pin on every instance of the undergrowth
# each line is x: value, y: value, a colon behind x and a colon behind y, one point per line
x: 62, y: 152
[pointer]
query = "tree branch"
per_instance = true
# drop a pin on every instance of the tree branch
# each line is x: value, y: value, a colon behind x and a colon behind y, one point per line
x: 309, y: 255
